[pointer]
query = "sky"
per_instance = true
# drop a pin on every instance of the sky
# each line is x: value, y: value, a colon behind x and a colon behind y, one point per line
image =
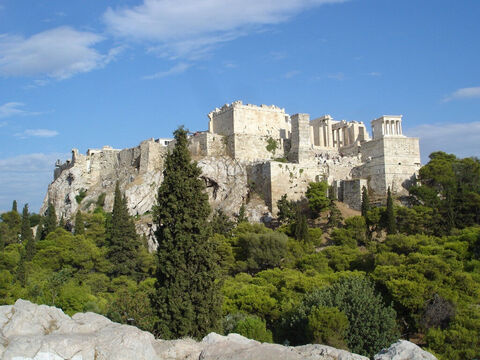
x: 83, y: 74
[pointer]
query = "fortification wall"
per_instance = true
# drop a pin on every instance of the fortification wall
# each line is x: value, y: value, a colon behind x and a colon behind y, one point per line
x: 248, y: 147
x: 208, y: 144
x: 291, y: 179
x: 390, y: 162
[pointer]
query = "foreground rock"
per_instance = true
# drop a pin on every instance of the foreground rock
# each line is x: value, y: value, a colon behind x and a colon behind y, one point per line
x: 39, y: 332
x: 404, y: 350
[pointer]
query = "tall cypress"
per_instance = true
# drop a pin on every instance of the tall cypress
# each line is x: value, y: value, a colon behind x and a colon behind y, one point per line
x: 365, y: 202
x: 14, y: 206
x: 26, y: 235
x: 79, y: 224
x: 122, y: 237
x: 391, y: 221
x: 187, y: 292
x: 49, y: 222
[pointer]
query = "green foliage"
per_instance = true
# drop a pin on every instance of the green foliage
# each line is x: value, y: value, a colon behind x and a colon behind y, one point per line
x: 122, y: 237
x: 79, y: 224
x: 221, y: 224
x: 261, y: 251
x: 26, y: 235
x: 242, y: 215
x: 186, y: 298
x: 301, y: 228
x: 287, y: 210
x: 327, y: 325
x: 335, y: 217
x: 317, y: 196
x: 48, y: 223
x: 254, y: 328
x: 391, y: 221
x: 372, y: 324
x: 272, y: 145
x: 81, y: 195
x: 101, y: 200
x: 14, y: 206
x: 365, y: 202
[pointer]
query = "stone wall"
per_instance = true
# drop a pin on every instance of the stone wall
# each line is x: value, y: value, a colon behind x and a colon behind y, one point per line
x: 290, y: 179
x: 351, y: 192
x: 390, y: 162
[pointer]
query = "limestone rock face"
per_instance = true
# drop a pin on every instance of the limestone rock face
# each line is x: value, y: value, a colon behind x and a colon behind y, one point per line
x: 40, y: 332
x: 404, y: 350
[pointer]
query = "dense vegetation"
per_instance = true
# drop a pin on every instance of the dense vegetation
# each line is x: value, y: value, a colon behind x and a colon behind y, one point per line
x: 358, y: 283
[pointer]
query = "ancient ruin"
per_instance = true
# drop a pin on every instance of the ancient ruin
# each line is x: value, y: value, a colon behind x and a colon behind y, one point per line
x: 249, y: 155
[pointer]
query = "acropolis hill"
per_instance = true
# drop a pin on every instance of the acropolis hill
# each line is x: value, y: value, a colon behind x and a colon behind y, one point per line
x: 250, y: 155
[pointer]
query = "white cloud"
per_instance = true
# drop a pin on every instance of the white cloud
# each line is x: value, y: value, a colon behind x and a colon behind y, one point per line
x: 44, y: 133
x: 291, y: 74
x: 461, y: 139
x: 14, y: 109
x: 374, y: 73
x: 25, y: 178
x: 57, y: 53
x: 338, y: 76
x: 175, y: 70
x: 189, y: 28
x: 464, y: 93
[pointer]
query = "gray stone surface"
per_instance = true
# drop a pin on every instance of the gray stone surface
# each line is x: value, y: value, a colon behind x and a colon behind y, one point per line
x: 404, y: 350
x: 39, y: 332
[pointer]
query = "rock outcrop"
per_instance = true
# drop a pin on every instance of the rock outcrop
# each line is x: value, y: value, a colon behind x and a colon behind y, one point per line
x: 40, y: 332
x: 404, y: 350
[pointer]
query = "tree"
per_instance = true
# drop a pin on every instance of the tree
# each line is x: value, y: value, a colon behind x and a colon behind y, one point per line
x: 391, y: 221
x: 242, y: 215
x: 301, y: 227
x: 335, y: 217
x: 221, y: 223
x: 49, y: 222
x: 286, y: 210
x: 14, y: 206
x: 26, y: 235
x: 372, y: 324
x: 121, y: 237
x: 327, y: 325
x: 317, y: 196
x: 365, y: 202
x: 187, y: 294
x: 79, y: 224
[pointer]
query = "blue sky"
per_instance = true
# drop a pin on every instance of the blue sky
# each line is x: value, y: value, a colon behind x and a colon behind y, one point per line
x: 83, y: 74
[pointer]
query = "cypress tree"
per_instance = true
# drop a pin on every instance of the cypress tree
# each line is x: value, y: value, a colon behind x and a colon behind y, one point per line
x: 121, y: 237
x: 301, y: 227
x: 49, y: 222
x: 391, y: 222
x: 242, y: 215
x: 79, y: 224
x: 14, y: 206
x: 187, y: 293
x: 26, y: 235
x: 365, y: 202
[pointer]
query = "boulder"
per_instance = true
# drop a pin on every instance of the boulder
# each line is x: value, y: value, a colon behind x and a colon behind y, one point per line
x: 404, y: 350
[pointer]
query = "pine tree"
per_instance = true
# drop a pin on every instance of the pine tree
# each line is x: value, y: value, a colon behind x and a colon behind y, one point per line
x: 14, y: 206
x: 26, y: 235
x: 79, y: 224
x: 391, y: 222
x: 122, y: 237
x: 187, y: 293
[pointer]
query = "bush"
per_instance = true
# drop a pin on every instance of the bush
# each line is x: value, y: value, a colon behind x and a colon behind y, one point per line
x: 327, y: 325
x: 372, y: 324
x: 262, y: 251
x: 317, y: 196
x: 254, y: 328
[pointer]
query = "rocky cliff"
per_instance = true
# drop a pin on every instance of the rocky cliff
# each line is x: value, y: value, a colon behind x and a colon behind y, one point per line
x: 39, y: 332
